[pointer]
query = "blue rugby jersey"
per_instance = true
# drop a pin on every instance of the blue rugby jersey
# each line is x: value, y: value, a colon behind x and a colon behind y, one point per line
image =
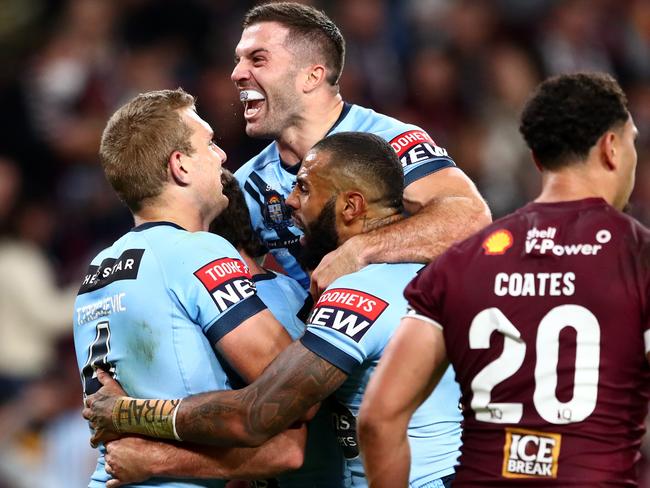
x: 150, y: 309
x: 324, y: 466
x: 350, y: 326
x: 267, y: 182
x: 289, y: 302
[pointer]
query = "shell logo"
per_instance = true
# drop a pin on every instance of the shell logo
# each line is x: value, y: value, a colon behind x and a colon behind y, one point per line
x: 498, y: 242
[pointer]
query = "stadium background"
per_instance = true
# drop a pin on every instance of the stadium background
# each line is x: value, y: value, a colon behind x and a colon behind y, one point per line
x: 459, y: 69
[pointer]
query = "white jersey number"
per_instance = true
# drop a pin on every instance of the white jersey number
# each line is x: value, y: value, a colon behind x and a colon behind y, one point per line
x: 585, y: 389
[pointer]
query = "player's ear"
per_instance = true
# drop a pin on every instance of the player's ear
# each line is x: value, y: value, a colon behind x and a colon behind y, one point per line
x: 315, y: 77
x: 354, y: 205
x: 178, y: 168
x: 607, y: 149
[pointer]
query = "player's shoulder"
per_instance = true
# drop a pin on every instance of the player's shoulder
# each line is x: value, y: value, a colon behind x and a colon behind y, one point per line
x: 384, y: 281
x: 367, y: 120
x: 267, y: 156
x: 639, y: 232
x: 129, y: 240
x: 283, y: 282
x: 497, y: 237
x: 190, y: 252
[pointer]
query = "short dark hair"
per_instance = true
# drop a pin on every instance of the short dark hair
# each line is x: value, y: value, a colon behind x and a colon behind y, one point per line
x: 368, y: 161
x: 138, y: 140
x: 307, y: 26
x: 567, y: 114
x: 234, y: 223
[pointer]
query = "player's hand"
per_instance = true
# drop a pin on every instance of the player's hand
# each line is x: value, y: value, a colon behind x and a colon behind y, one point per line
x: 99, y: 409
x: 129, y: 460
x: 344, y: 260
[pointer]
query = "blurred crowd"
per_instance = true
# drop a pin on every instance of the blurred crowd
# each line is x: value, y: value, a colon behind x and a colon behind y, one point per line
x: 460, y: 69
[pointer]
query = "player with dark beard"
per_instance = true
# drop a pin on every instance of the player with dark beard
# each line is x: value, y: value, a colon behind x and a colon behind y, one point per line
x: 320, y: 237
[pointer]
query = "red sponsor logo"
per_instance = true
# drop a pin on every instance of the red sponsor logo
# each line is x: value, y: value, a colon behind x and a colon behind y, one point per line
x: 221, y: 271
x: 403, y: 142
x: 364, y: 304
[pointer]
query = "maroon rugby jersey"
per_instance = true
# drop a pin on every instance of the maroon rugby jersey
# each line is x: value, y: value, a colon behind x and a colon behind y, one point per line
x: 545, y: 320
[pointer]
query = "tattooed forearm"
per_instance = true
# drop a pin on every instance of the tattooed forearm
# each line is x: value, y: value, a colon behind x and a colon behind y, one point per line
x: 295, y: 381
x: 154, y: 418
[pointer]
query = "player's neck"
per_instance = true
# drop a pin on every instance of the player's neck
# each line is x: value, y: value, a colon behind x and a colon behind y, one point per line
x: 570, y: 185
x: 187, y: 218
x: 253, y: 267
x: 375, y: 218
x: 295, y: 141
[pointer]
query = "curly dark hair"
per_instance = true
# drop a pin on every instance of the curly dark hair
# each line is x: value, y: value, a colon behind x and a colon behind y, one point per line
x: 567, y: 114
x: 234, y: 223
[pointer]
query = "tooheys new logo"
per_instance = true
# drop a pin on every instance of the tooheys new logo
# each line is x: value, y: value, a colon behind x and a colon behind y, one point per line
x: 415, y: 146
x: 228, y: 281
x: 349, y: 311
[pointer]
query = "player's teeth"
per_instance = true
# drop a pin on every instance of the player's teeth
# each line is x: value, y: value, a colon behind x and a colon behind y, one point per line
x: 247, y: 95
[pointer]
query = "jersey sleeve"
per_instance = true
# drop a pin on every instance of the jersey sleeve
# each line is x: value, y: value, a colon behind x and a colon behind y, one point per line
x: 419, y: 154
x: 214, y: 285
x: 425, y: 294
x: 343, y: 327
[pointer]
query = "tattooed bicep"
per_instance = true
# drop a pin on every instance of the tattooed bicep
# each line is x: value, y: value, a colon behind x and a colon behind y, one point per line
x: 294, y: 382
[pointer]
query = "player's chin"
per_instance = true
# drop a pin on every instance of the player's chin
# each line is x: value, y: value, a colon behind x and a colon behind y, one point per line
x: 254, y: 130
x: 257, y: 129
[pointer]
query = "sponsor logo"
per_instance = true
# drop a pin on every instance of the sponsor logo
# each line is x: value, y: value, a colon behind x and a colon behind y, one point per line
x: 542, y: 242
x: 124, y: 267
x: 415, y: 146
x: 275, y: 212
x: 498, y: 242
x: 530, y: 454
x: 351, y: 312
x: 227, y: 280
x: 282, y: 243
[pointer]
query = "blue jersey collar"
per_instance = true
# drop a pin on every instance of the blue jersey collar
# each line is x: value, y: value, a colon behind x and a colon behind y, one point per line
x: 149, y: 225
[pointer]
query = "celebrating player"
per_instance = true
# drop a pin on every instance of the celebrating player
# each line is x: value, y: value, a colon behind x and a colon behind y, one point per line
x: 349, y: 183
x: 544, y: 316
x: 154, y: 304
x: 289, y: 61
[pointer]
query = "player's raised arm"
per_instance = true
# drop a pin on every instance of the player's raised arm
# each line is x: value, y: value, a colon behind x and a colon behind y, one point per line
x: 413, y: 363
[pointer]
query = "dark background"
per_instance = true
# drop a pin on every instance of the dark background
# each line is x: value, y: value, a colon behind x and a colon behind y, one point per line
x: 459, y: 69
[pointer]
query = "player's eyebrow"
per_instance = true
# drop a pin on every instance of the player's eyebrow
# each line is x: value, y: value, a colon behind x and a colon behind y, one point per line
x: 250, y: 54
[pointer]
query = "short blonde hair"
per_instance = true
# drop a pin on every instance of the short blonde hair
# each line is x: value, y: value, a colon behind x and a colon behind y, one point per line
x: 139, y: 139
